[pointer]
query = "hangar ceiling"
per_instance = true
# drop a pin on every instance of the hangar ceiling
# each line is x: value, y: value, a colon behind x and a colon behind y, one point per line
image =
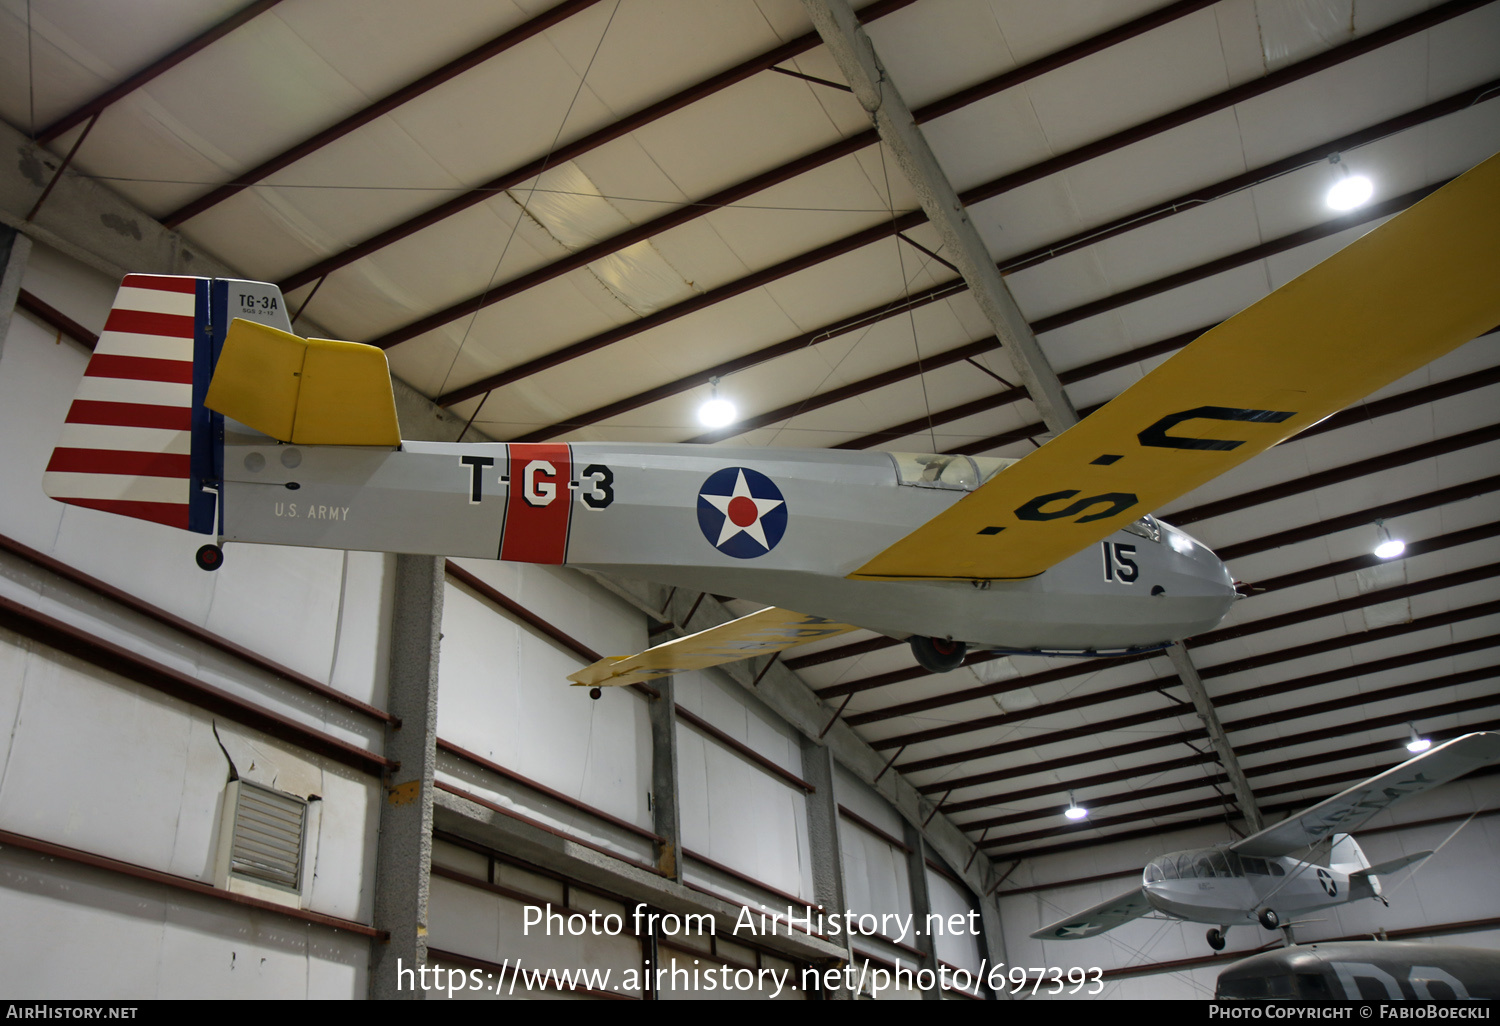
x: 563, y: 220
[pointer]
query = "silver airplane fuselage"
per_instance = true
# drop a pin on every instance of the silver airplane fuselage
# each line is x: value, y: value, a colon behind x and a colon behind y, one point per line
x: 1211, y: 885
x: 782, y: 527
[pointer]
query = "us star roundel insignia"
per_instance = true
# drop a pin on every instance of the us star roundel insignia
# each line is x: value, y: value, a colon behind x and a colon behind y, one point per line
x: 741, y: 512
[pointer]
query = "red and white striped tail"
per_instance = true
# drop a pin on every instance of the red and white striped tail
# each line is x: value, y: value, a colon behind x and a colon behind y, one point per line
x: 127, y: 443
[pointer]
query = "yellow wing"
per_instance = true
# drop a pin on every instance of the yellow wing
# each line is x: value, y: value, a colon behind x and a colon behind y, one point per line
x: 770, y: 630
x: 1425, y: 282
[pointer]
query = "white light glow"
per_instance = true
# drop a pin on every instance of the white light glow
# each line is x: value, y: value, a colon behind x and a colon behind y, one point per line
x: 1075, y: 812
x: 1390, y: 548
x: 1418, y: 744
x: 717, y: 413
x: 1349, y: 192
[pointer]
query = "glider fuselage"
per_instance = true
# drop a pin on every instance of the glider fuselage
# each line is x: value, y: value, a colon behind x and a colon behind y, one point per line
x: 783, y: 527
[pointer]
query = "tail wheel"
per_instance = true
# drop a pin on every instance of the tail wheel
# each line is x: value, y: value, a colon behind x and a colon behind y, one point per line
x: 1269, y: 919
x: 1216, y: 939
x: 209, y: 557
x: 938, y: 655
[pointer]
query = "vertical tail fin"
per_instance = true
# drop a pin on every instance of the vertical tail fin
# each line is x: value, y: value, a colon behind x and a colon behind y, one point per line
x: 127, y: 445
x: 1349, y: 858
x: 138, y: 441
x: 1346, y: 852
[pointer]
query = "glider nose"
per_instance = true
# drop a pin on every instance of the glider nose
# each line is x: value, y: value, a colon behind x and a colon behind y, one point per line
x: 1202, y: 574
x: 1192, y: 553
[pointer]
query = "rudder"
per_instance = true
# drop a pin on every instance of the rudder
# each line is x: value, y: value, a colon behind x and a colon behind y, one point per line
x: 137, y: 440
x: 127, y: 442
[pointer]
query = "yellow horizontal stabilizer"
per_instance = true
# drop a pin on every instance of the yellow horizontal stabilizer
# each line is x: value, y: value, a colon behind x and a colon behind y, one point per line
x: 307, y: 391
x: 770, y: 630
x: 1423, y: 283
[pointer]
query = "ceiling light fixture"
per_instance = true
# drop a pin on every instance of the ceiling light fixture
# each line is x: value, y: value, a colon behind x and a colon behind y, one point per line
x: 717, y: 412
x: 1350, y: 190
x: 1074, y: 810
x: 1417, y: 744
x: 1388, y: 547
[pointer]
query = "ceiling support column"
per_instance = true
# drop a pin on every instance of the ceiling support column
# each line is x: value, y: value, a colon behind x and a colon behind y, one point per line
x: 1188, y: 674
x: 992, y: 946
x: 15, y: 249
x: 666, y: 814
x: 856, y: 58
x: 921, y: 909
x: 403, y: 851
x: 824, y: 845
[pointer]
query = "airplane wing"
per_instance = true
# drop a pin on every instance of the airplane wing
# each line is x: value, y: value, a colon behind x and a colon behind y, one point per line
x: 770, y: 630
x: 1104, y: 916
x: 1402, y: 295
x: 1347, y: 810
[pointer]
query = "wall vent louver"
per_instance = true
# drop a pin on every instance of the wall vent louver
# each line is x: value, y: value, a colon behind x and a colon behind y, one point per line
x: 268, y: 836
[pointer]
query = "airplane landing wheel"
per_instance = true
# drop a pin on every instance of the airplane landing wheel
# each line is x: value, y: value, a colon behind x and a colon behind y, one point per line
x: 1216, y: 939
x: 596, y: 693
x: 209, y: 557
x: 1268, y: 918
x: 938, y: 655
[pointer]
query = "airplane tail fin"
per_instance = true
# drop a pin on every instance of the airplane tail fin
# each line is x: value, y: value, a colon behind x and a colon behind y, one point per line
x: 138, y: 440
x: 1347, y: 857
x: 1346, y: 854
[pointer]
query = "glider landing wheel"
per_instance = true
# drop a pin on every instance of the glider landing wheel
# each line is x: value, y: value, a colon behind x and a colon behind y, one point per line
x: 209, y: 557
x: 938, y: 655
x: 596, y: 693
x: 1268, y: 918
x: 1216, y: 939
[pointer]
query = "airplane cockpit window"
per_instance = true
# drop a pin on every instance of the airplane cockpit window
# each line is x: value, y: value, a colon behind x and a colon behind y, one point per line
x: 1153, y: 873
x: 1185, y: 867
x: 1202, y: 869
x: 1253, y: 867
x: 956, y: 473
x: 1146, y: 527
x: 989, y: 466
x: 1220, y: 866
x: 953, y: 473
x: 1276, y: 868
